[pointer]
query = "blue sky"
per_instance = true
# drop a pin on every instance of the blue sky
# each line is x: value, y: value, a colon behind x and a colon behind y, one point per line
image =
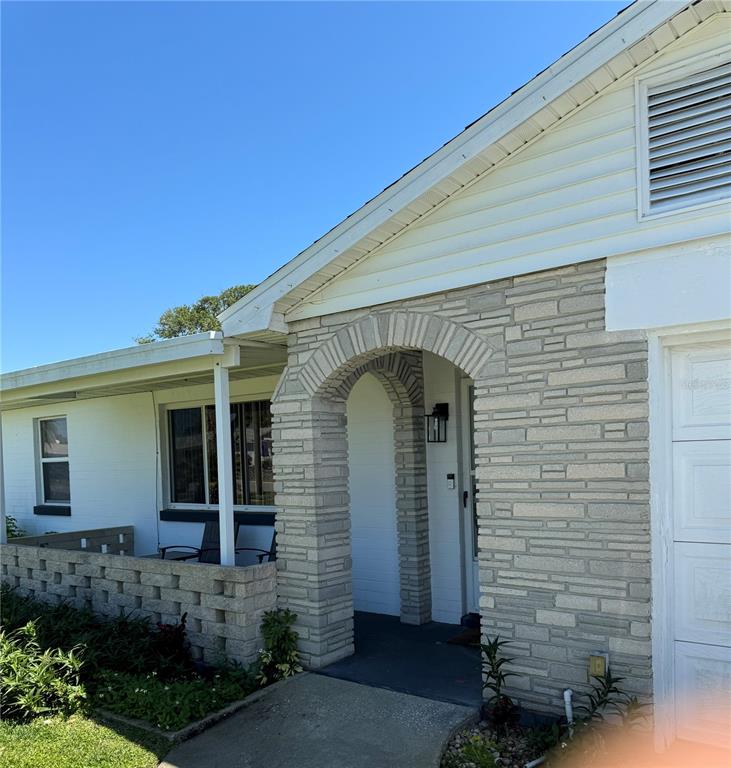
x: 156, y: 152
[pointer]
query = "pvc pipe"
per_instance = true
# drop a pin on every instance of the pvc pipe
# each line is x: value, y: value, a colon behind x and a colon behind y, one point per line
x: 567, y: 694
x: 534, y: 763
x: 568, y: 708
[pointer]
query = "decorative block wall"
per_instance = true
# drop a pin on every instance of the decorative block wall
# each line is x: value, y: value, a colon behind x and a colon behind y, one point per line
x: 119, y: 540
x: 224, y: 605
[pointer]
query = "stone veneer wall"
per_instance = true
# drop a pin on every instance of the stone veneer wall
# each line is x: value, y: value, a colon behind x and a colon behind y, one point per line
x: 224, y: 604
x: 561, y: 435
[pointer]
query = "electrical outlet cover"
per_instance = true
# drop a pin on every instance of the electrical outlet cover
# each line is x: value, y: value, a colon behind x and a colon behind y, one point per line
x: 597, y: 665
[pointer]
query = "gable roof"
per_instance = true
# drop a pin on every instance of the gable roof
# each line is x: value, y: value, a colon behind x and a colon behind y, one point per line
x: 616, y: 49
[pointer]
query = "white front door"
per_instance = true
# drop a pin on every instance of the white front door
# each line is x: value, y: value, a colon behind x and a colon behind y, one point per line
x: 469, y: 500
x: 700, y: 447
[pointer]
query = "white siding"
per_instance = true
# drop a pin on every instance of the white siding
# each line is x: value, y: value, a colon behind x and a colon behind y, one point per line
x: 113, y: 462
x: 570, y: 196
x: 112, y: 459
x: 372, y: 485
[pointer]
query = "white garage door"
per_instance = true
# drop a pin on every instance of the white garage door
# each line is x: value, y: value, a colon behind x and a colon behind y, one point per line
x: 701, y: 507
x: 372, y: 484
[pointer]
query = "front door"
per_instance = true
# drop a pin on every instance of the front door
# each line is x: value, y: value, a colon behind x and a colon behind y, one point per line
x: 469, y: 500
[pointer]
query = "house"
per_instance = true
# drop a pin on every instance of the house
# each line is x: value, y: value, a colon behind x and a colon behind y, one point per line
x: 502, y: 386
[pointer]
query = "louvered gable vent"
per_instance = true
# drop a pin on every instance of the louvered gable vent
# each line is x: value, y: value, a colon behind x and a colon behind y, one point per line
x: 689, y: 140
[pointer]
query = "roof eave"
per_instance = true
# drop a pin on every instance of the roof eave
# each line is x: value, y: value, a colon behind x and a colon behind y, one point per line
x: 154, y: 353
x: 255, y: 312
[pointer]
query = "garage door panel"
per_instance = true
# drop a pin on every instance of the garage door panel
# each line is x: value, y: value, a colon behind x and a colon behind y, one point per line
x: 702, y: 490
x: 702, y: 683
x: 703, y: 593
x: 701, y: 549
x: 702, y: 393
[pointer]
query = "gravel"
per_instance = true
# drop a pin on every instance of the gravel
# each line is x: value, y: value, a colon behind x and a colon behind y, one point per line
x: 512, y: 749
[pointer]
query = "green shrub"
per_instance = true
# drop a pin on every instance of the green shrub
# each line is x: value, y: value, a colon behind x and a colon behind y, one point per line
x: 124, y: 644
x: 34, y: 681
x: 172, y: 704
x: 12, y: 529
x: 279, y: 658
x: 146, y: 672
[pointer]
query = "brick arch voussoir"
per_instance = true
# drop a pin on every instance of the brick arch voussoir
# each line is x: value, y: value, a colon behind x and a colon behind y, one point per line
x: 382, y: 334
x: 398, y: 372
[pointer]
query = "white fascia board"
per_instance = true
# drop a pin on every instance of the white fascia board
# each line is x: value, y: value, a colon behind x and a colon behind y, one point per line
x: 155, y: 353
x: 255, y: 310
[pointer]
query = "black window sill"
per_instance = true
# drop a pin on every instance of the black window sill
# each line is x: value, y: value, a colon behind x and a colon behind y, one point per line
x: 59, y: 510
x: 209, y: 515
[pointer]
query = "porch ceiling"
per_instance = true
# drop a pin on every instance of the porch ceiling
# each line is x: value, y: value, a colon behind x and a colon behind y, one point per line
x: 145, y: 369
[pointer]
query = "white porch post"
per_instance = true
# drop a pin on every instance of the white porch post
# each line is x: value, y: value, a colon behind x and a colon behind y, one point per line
x: 223, y: 454
x: 3, y: 531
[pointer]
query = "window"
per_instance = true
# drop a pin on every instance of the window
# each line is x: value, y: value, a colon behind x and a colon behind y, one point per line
x: 193, y: 454
x: 686, y: 146
x: 54, y: 460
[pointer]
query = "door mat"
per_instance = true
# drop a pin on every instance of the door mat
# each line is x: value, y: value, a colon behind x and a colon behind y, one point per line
x: 469, y: 636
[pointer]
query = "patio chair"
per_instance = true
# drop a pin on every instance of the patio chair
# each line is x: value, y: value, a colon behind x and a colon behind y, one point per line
x: 270, y: 555
x: 210, y: 548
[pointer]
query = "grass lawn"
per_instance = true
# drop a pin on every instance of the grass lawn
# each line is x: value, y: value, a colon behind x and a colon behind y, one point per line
x: 77, y: 743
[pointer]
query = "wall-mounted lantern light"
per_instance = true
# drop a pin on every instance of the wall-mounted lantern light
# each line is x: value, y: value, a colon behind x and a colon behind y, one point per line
x: 436, y: 423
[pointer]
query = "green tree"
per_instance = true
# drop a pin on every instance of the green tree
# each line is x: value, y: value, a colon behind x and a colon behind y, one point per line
x: 195, y: 318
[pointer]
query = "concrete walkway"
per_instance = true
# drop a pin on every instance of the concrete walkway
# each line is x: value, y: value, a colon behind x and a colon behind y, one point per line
x: 314, y: 721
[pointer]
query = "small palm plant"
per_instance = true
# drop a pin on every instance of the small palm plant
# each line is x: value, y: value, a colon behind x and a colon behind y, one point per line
x: 500, y: 708
x: 607, y: 698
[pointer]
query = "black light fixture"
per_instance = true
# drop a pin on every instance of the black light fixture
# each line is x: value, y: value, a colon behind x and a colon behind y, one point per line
x: 436, y: 423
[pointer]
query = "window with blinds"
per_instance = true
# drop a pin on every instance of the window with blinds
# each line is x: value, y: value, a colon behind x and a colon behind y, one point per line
x: 689, y: 141
x: 193, y: 458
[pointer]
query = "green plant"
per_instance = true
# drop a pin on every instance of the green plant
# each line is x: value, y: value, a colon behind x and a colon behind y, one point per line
x: 500, y: 708
x: 607, y: 698
x: 34, y: 681
x: 607, y: 707
x: 12, y: 529
x: 477, y: 751
x: 124, y: 644
x: 169, y: 645
x: 171, y: 704
x: 541, y: 738
x: 279, y: 658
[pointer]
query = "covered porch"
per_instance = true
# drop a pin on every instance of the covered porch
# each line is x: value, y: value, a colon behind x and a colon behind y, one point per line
x: 146, y: 436
x: 434, y: 660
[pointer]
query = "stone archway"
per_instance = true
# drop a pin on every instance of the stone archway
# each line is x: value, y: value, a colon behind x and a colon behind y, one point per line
x: 311, y: 466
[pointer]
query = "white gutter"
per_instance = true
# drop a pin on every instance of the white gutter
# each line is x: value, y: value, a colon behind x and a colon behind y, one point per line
x: 169, y: 350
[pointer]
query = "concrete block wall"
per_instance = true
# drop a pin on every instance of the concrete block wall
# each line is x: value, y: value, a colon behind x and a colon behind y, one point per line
x: 224, y: 605
x: 561, y: 436
x: 119, y: 540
